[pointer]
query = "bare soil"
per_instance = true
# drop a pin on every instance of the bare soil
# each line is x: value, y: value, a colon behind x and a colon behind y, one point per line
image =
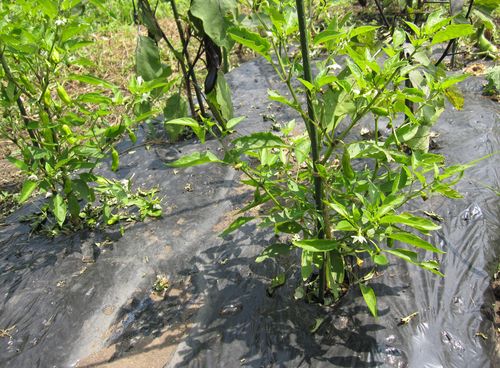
x: 153, y: 352
x: 10, y: 178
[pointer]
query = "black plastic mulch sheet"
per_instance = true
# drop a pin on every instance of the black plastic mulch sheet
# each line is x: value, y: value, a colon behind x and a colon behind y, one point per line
x: 62, y: 310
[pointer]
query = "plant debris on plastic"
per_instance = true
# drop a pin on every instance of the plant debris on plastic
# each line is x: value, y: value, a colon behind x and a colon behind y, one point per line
x: 56, y: 311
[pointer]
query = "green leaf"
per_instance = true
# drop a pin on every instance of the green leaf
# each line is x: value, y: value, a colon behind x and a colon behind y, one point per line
x: 94, y: 98
x: 148, y: 62
x: 435, y: 21
x: 223, y: 97
x: 447, y: 191
x: 390, y: 203
x: 451, y: 32
x: 452, y: 80
x: 302, y: 147
x: 414, y: 240
x: 252, y: 40
x: 416, y: 222
x: 407, y: 255
x: 83, y: 190
x: 28, y: 187
x: 90, y: 79
x: 276, y: 282
x: 344, y: 225
x: 114, y: 131
x: 21, y: 165
x: 339, y: 208
x: 214, y: 15
x: 454, y: 170
x: 411, y: 257
x: 317, y: 245
x: 398, y: 37
x: 191, y: 123
x: 59, y: 209
x: 69, y: 4
x: 413, y: 94
x: 234, y: 121
x: 306, y: 264
x: 175, y: 107
x: 299, y: 293
x: 273, y: 251
x: 236, y: 224
x: 361, y: 30
x: 258, y: 141
x: 370, y: 298
x: 414, y: 28
x: 289, y: 227
x: 336, y: 265
x: 49, y: 8
x: 148, y: 19
x: 306, y: 84
x: 432, y: 266
x: 275, y: 96
x: 196, y: 158
x: 380, y: 259
x: 317, y: 324
x: 328, y: 35
x: 74, y: 206
x: 322, y: 80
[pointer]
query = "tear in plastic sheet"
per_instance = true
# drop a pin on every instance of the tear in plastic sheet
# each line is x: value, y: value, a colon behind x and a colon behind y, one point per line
x: 216, y: 312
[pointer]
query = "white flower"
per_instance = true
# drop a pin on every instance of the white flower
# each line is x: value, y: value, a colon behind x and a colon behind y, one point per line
x: 334, y: 66
x: 140, y: 80
x: 61, y: 21
x: 364, y: 131
x: 358, y: 239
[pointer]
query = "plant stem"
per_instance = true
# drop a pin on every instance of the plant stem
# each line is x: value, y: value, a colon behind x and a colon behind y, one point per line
x: 313, y: 135
x: 190, y: 66
x: 358, y: 116
x: 381, y: 11
x: 19, y: 101
x: 261, y: 185
x: 145, y: 7
x: 451, y: 43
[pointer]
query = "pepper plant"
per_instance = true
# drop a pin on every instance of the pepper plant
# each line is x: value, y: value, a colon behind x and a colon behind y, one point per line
x: 61, y: 135
x: 344, y: 200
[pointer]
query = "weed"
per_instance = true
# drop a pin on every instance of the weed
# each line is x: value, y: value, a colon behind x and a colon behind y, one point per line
x: 161, y: 284
x: 492, y: 88
x: 116, y: 204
